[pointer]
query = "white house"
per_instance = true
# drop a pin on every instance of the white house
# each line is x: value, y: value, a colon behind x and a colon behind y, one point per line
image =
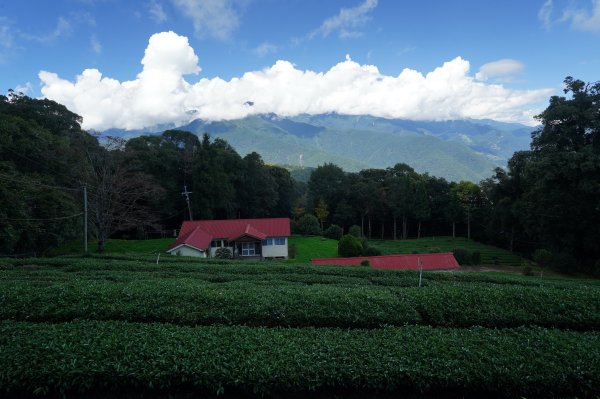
x: 245, y: 238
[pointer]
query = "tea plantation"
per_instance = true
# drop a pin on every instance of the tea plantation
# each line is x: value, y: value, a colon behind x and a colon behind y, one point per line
x: 107, y: 326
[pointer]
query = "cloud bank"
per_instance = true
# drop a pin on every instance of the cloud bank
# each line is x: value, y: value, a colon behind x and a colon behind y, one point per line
x: 505, y: 69
x: 161, y: 94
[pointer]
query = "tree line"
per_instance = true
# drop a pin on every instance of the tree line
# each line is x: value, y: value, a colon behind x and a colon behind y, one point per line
x: 546, y: 199
x: 133, y: 186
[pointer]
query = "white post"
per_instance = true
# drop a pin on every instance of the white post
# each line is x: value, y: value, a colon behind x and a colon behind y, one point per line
x: 157, y: 258
x: 420, y: 271
x: 85, y: 221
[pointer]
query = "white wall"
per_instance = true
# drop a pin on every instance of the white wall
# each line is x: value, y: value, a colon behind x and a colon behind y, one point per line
x: 184, y: 250
x: 275, y: 251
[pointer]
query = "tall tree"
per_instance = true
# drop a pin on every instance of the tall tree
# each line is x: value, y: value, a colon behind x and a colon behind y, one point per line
x: 327, y: 181
x: 42, y: 153
x: 321, y: 211
x: 468, y: 194
x: 119, y: 194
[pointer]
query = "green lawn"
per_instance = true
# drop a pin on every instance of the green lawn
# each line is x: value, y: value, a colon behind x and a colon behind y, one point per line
x: 309, y: 247
x: 489, y: 254
x: 117, y: 247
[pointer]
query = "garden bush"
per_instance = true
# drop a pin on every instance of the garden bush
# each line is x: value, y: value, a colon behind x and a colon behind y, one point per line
x: 371, y: 251
x: 223, y: 253
x: 349, y: 246
x: 308, y: 225
x: 355, y: 231
x: 334, y: 232
x: 463, y: 256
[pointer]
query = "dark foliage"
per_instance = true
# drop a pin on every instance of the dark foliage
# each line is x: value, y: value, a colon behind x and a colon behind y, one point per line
x: 349, y: 246
x: 334, y: 232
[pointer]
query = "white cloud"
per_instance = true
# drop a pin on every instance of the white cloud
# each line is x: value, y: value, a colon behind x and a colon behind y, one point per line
x: 545, y: 13
x: 95, y: 44
x: 160, y: 94
x: 26, y: 89
x: 6, y: 39
x: 582, y: 19
x: 215, y: 18
x: 346, y: 21
x: 504, y: 69
x: 63, y: 28
x: 156, y: 12
x: 264, y: 49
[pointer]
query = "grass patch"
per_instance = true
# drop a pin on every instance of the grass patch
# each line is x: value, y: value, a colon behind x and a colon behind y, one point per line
x: 309, y: 247
x: 137, y: 247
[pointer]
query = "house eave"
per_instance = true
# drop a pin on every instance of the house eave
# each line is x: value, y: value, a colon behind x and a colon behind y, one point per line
x: 185, y: 245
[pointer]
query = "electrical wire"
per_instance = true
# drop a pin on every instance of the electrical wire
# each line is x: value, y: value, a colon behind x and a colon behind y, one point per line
x: 41, y: 219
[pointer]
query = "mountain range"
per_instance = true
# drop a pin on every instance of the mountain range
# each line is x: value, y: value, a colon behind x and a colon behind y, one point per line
x: 455, y: 150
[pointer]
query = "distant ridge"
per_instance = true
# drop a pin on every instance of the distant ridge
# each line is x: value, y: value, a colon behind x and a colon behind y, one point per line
x: 455, y: 149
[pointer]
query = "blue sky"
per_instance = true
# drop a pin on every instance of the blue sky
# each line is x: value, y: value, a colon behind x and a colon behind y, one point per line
x: 212, y: 58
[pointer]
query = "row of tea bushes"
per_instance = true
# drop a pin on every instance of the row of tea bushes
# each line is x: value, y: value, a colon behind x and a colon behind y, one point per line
x: 189, y: 301
x: 108, y: 357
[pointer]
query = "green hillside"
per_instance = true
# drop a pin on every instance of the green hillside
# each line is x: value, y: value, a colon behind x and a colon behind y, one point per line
x: 355, y: 143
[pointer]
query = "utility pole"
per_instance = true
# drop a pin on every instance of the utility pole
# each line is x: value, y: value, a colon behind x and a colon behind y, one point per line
x: 187, y: 199
x: 85, y: 221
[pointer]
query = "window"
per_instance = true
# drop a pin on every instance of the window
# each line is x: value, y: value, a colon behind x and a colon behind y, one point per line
x: 248, y: 249
x: 280, y: 241
x: 268, y: 241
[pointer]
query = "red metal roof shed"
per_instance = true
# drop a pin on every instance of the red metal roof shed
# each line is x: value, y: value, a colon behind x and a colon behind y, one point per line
x: 438, y: 261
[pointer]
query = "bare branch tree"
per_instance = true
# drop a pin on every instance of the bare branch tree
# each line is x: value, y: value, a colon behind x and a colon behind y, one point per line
x: 119, y: 193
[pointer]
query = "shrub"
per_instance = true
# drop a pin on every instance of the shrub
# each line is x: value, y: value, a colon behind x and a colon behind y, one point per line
x: 434, y: 250
x: 528, y: 271
x: 371, y: 251
x: 223, y: 253
x: 354, y: 230
x: 308, y: 225
x: 365, y: 262
x: 463, y: 256
x: 476, y: 257
x: 292, y: 251
x: 334, y: 232
x: 542, y: 257
x: 349, y: 246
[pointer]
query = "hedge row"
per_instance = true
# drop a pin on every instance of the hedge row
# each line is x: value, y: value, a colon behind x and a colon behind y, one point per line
x: 116, y: 357
x: 193, y: 302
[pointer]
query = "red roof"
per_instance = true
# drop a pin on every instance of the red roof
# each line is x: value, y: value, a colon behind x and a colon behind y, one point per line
x: 440, y: 261
x: 199, y: 233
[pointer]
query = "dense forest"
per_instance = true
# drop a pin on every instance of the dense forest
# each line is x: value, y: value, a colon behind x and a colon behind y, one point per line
x: 548, y: 198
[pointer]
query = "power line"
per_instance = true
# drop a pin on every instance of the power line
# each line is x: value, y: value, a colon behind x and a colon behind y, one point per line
x: 41, y: 219
x: 36, y: 184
